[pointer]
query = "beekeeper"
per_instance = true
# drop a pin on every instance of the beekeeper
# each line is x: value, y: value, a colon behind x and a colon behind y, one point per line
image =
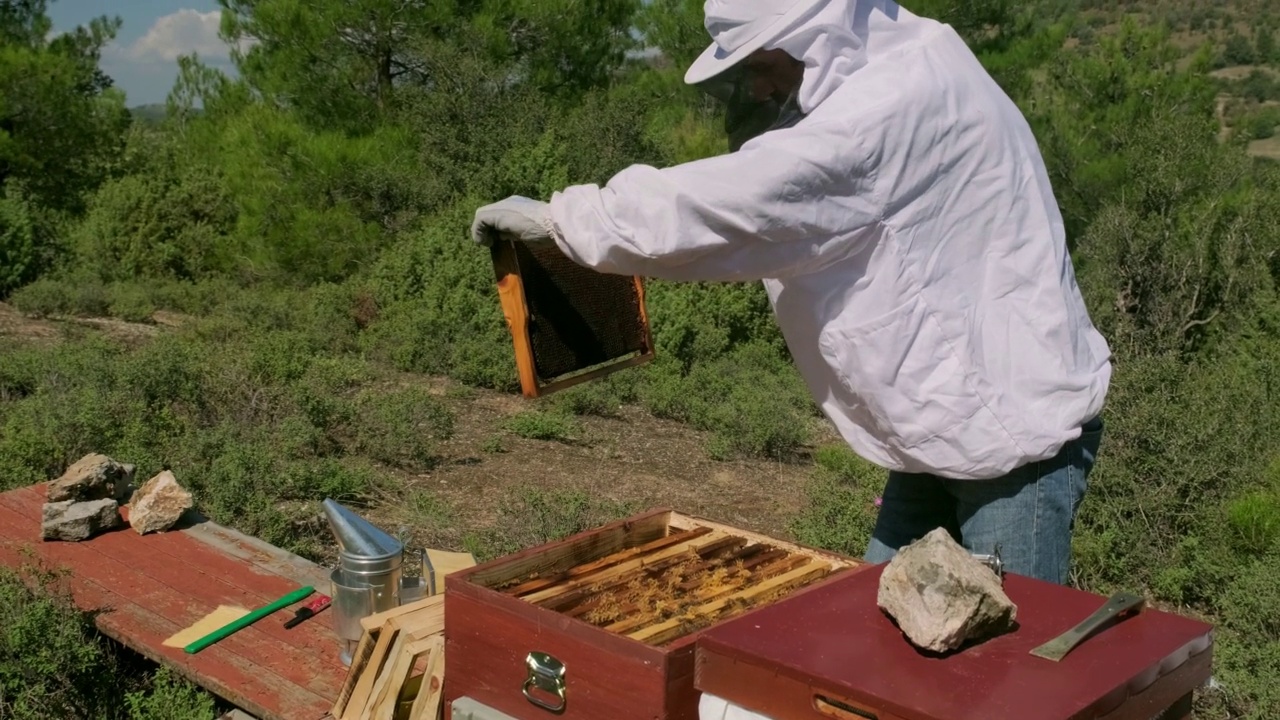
x: 894, y: 203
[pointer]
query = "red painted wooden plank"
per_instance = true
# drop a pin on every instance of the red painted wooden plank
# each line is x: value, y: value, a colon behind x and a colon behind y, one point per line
x: 263, y: 555
x: 148, y: 599
x: 217, y: 580
x: 196, y: 569
x: 265, y: 559
x: 316, y: 635
x: 249, y: 685
x: 184, y: 608
x: 37, y: 491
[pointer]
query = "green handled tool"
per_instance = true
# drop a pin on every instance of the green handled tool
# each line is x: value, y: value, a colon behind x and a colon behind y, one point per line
x: 213, y: 637
x: 1120, y: 605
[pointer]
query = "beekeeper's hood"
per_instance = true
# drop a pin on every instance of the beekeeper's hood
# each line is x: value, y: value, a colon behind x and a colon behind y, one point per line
x: 829, y: 36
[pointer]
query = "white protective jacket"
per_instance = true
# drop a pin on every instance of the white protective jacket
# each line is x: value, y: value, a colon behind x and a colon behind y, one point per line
x: 905, y: 231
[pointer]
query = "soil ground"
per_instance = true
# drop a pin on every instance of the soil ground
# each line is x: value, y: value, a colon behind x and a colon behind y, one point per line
x: 632, y: 458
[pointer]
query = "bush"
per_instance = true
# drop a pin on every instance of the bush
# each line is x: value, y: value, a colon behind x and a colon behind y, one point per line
x: 751, y: 399
x: 538, y: 425
x: 1180, y: 444
x: 841, y: 512
x: 170, y: 220
x: 1260, y: 86
x: 1250, y: 646
x: 439, y: 310
x: 53, y: 663
x: 254, y: 424
x: 170, y: 698
x: 532, y: 516
x: 1262, y: 124
x: 398, y: 427
x: 1238, y: 50
x: 20, y: 248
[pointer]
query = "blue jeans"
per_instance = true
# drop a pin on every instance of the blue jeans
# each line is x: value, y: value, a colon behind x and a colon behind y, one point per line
x: 1030, y: 513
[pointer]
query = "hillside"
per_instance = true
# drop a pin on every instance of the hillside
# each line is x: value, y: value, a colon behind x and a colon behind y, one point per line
x: 502, y: 448
x: 152, y: 114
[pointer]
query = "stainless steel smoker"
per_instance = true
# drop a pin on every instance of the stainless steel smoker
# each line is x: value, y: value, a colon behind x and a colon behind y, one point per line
x: 368, y: 578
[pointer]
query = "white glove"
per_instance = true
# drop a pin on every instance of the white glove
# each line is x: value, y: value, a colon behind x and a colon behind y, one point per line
x: 519, y: 217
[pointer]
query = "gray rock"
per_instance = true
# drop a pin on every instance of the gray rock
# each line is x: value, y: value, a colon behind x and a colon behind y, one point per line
x: 73, y: 521
x: 124, y: 485
x: 92, y: 477
x: 941, y: 596
x: 158, y: 504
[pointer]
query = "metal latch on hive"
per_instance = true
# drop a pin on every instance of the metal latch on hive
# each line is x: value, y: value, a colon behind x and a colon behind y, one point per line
x: 547, y: 674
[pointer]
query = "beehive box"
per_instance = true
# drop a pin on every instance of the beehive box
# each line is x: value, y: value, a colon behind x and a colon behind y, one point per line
x: 832, y: 653
x: 604, y: 624
x: 569, y: 323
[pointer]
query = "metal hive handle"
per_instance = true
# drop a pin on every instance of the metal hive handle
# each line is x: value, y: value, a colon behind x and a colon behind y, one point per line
x: 547, y: 674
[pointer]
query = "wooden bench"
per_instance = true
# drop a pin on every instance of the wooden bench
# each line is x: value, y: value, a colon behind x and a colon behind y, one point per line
x: 146, y: 588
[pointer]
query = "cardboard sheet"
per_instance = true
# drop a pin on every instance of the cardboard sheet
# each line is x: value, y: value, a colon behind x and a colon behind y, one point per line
x: 214, y: 620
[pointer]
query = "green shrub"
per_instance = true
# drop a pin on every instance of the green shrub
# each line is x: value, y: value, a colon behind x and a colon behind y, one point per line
x: 1181, y: 441
x: 751, y: 399
x: 171, y: 697
x: 255, y: 424
x: 531, y: 516
x: 1249, y: 658
x: 1254, y: 519
x: 603, y: 397
x: 73, y: 408
x: 160, y: 224
x: 1259, y: 86
x: 400, y: 427
x: 542, y: 425
x: 20, y: 245
x: 80, y: 294
x: 1261, y: 124
x: 439, y: 307
x: 54, y: 664
x: 1238, y: 50
x: 841, y: 510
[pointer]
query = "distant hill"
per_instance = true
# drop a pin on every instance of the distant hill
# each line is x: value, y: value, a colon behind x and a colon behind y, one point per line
x: 153, y: 113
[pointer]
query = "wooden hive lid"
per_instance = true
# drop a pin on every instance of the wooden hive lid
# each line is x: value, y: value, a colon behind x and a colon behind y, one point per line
x: 836, y: 638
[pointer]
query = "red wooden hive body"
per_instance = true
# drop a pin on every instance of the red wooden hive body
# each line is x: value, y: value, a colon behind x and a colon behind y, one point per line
x: 833, y: 653
x: 490, y: 632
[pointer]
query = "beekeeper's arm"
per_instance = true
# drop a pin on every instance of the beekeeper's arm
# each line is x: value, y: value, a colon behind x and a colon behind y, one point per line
x: 789, y: 202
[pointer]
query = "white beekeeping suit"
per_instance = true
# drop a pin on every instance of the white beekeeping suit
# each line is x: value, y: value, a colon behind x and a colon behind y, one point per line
x: 904, y: 228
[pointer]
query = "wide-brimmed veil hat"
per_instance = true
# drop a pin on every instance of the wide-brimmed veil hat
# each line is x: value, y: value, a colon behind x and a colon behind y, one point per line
x: 740, y: 27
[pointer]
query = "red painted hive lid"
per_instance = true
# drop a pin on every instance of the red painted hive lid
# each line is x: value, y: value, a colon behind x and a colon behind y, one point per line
x: 836, y: 639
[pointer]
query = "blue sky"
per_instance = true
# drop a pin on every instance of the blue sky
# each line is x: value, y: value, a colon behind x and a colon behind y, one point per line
x: 143, y: 59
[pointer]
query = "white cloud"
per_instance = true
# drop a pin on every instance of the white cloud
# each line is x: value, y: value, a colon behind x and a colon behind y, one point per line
x: 147, y: 67
x: 184, y: 32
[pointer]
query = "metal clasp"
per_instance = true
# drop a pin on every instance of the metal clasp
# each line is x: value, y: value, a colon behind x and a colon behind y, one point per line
x: 547, y: 674
x: 992, y: 561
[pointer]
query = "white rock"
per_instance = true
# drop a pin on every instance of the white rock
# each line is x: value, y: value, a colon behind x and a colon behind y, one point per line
x: 941, y: 596
x: 158, y: 504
